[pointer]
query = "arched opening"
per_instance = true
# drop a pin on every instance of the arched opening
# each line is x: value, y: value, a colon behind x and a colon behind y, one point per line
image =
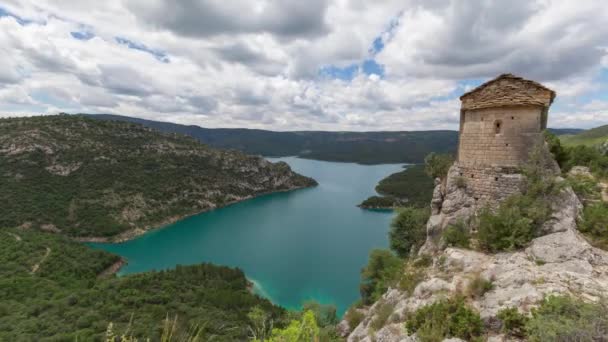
x: 497, y: 126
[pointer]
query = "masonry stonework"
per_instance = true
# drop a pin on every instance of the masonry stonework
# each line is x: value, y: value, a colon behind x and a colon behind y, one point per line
x: 500, y: 121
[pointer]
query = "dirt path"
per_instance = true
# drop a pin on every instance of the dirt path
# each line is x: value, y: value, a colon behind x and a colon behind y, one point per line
x: 37, y: 266
x: 17, y: 237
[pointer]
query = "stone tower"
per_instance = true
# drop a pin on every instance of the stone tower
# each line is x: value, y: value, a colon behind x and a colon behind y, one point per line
x: 500, y: 121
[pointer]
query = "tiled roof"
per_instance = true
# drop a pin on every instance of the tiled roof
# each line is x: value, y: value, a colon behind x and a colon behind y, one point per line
x: 507, y: 90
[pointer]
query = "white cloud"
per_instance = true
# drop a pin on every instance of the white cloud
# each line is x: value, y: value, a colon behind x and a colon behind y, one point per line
x: 258, y: 66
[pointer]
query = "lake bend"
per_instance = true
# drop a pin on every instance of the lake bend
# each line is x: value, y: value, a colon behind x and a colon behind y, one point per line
x: 294, y: 246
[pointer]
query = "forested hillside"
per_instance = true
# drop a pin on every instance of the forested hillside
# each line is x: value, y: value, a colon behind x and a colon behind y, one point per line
x: 94, y: 178
x: 51, y: 289
x: 357, y: 147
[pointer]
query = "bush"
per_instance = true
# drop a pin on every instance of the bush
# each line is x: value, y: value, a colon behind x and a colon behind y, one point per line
x: 591, y: 157
x: 565, y: 318
x: 353, y: 317
x: 513, y: 322
x: 326, y: 314
x: 457, y: 235
x: 586, y: 188
x: 444, y: 319
x: 382, y: 314
x: 408, y: 230
x: 594, y: 223
x: 410, y: 279
x: 478, y: 286
x: 557, y: 150
x: 460, y: 182
x: 383, y: 269
x: 437, y: 165
x: 507, y: 229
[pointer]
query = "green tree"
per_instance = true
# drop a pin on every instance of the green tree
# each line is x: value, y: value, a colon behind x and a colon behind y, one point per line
x: 437, y: 165
x: 382, y: 269
x: 408, y: 230
x: 305, y: 330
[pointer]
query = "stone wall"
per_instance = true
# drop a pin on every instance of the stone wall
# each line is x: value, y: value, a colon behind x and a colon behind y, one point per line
x: 498, y: 136
x: 487, y: 185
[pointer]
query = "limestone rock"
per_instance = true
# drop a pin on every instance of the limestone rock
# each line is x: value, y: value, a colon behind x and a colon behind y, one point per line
x: 557, y: 263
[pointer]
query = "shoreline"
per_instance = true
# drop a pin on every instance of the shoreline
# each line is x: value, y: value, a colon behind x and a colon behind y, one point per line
x: 137, y: 232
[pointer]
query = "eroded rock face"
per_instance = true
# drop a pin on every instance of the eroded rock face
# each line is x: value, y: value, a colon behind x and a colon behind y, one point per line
x: 558, y: 263
x: 561, y: 262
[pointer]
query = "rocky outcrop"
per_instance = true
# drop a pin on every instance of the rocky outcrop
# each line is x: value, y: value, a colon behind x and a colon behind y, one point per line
x: 558, y: 263
x: 561, y: 262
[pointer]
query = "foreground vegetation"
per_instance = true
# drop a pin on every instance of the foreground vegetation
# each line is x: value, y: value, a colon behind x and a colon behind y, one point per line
x: 65, y: 299
x: 93, y: 178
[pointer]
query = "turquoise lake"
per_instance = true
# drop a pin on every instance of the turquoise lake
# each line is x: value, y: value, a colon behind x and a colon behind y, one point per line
x: 295, y: 246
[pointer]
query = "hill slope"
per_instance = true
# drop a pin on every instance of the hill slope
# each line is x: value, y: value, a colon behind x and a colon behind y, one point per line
x: 357, y: 147
x: 66, y: 300
x: 93, y: 178
x: 593, y: 137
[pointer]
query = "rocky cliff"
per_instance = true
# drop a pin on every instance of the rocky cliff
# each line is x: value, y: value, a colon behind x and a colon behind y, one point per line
x: 97, y: 179
x: 558, y: 262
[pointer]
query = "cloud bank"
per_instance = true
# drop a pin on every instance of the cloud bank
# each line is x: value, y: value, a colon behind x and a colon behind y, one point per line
x: 293, y: 65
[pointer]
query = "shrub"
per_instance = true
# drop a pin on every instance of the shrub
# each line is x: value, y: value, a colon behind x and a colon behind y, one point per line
x: 585, y: 188
x: 437, y: 165
x: 423, y: 261
x: 588, y: 156
x: 326, y: 314
x: 353, y: 317
x: 478, y: 286
x: 382, y: 314
x: 557, y: 150
x: 563, y: 318
x: 408, y: 230
x: 594, y: 223
x: 507, y: 229
x: 445, y: 318
x: 513, y: 322
x: 383, y: 269
x: 457, y: 235
x: 460, y: 182
x: 410, y: 279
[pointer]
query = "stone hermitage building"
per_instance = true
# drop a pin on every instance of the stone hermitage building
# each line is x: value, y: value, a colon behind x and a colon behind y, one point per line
x: 500, y: 123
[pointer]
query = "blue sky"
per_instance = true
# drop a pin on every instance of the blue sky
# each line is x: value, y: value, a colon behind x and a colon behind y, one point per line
x: 323, y: 65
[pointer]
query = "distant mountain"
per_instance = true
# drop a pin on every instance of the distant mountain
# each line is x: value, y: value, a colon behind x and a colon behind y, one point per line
x: 91, y: 178
x: 359, y: 147
x: 592, y: 137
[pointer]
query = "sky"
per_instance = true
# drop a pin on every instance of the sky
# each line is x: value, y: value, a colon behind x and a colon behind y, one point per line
x: 349, y: 65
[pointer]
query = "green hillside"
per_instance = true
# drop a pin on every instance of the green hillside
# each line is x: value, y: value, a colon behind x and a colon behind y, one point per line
x: 592, y: 137
x: 94, y: 178
x: 410, y: 187
x: 51, y: 290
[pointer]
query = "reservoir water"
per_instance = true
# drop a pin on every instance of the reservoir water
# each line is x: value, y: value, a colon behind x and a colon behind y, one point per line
x: 295, y: 246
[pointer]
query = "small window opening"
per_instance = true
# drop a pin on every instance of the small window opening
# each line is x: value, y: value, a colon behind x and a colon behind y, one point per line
x: 507, y: 144
x: 497, y: 126
x: 472, y: 176
x: 461, y: 173
x: 512, y: 118
x: 476, y: 198
x: 496, y: 178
